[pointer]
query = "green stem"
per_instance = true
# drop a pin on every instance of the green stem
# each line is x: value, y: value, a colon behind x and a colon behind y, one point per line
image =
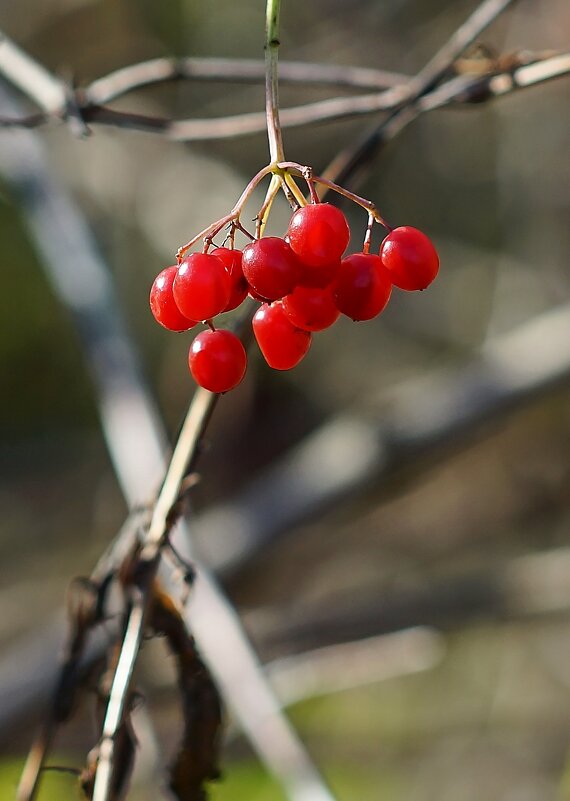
x: 294, y: 189
x: 271, y: 81
x: 272, y: 191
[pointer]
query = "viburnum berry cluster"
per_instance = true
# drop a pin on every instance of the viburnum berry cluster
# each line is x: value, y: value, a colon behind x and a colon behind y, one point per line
x: 303, y: 281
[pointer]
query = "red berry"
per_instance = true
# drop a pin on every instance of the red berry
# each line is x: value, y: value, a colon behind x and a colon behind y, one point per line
x: 163, y: 305
x: 270, y: 267
x: 283, y: 344
x: 318, y: 234
x: 319, y: 276
x: 231, y: 260
x: 217, y: 360
x: 311, y: 309
x: 202, y: 286
x: 362, y: 288
x: 410, y: 258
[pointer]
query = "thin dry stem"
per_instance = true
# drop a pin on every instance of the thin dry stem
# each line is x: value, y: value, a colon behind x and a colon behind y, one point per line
x: 185, y: 453
x: 233, y: 217
x: 471, y: 88
x: 349, y: 161
x: 234, y: 70
x: 274, y: 136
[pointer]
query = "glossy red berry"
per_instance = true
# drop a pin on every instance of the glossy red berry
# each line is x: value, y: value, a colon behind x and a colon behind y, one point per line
x: 282, y: 344
x: 217, y: 360
x: 311, y: 309
x: 318, y: 234
x: 270, y: 267
x: 362, y: 288
x: 163, y: 305
x: 319, y: 277
x: 202, y: 286
x: 410, y: 258
x: 231, y: 260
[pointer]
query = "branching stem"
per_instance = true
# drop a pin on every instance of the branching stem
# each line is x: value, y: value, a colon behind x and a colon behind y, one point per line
x: 283, y: 174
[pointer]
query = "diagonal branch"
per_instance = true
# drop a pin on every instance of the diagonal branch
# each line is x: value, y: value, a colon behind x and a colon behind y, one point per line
x: 485, y: 14
x: 184, y: 455
x: 31, y: 77
x: 352, y: 158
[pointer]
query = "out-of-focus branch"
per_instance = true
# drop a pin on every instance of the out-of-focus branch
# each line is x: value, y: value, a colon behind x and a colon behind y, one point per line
x: 460, y: 90
x: 31, y: 77
x: 406, y: 98
x: 343, y: 666
x: 234, y: 70
x: 485, y: 14
x: 349, y: 161
x: 523, y: 588
x: 80, y: 279
x: 424, y: 417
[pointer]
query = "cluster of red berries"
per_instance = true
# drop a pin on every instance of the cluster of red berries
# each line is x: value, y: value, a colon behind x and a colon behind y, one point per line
x: 302, y: 281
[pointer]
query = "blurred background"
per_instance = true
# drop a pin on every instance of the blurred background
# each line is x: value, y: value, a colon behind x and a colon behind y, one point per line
x: 441, y: 551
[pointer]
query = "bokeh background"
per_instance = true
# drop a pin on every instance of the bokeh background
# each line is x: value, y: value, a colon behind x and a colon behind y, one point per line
x: 467, y: 541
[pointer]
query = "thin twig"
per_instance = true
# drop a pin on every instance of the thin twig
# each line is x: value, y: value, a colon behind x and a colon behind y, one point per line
x: 485, y: 14
x: 351, y: 159
x: 460, y: 90
x: 234, y: 70
x: 184, y: 455
x: 463, y: 90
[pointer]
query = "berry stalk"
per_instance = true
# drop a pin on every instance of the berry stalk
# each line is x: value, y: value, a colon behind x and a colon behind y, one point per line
x: 306, y: 172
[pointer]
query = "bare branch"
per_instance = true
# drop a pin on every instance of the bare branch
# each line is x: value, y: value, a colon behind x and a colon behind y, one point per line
x: 460, y: 90
x: 31, y: 77
x: 422, y: 417
x: 352, y: 158
x: 486, y: 13
x: 185, y: 452
x: 531, y: 74
x: 230, y: 70
x: 521, y: 588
